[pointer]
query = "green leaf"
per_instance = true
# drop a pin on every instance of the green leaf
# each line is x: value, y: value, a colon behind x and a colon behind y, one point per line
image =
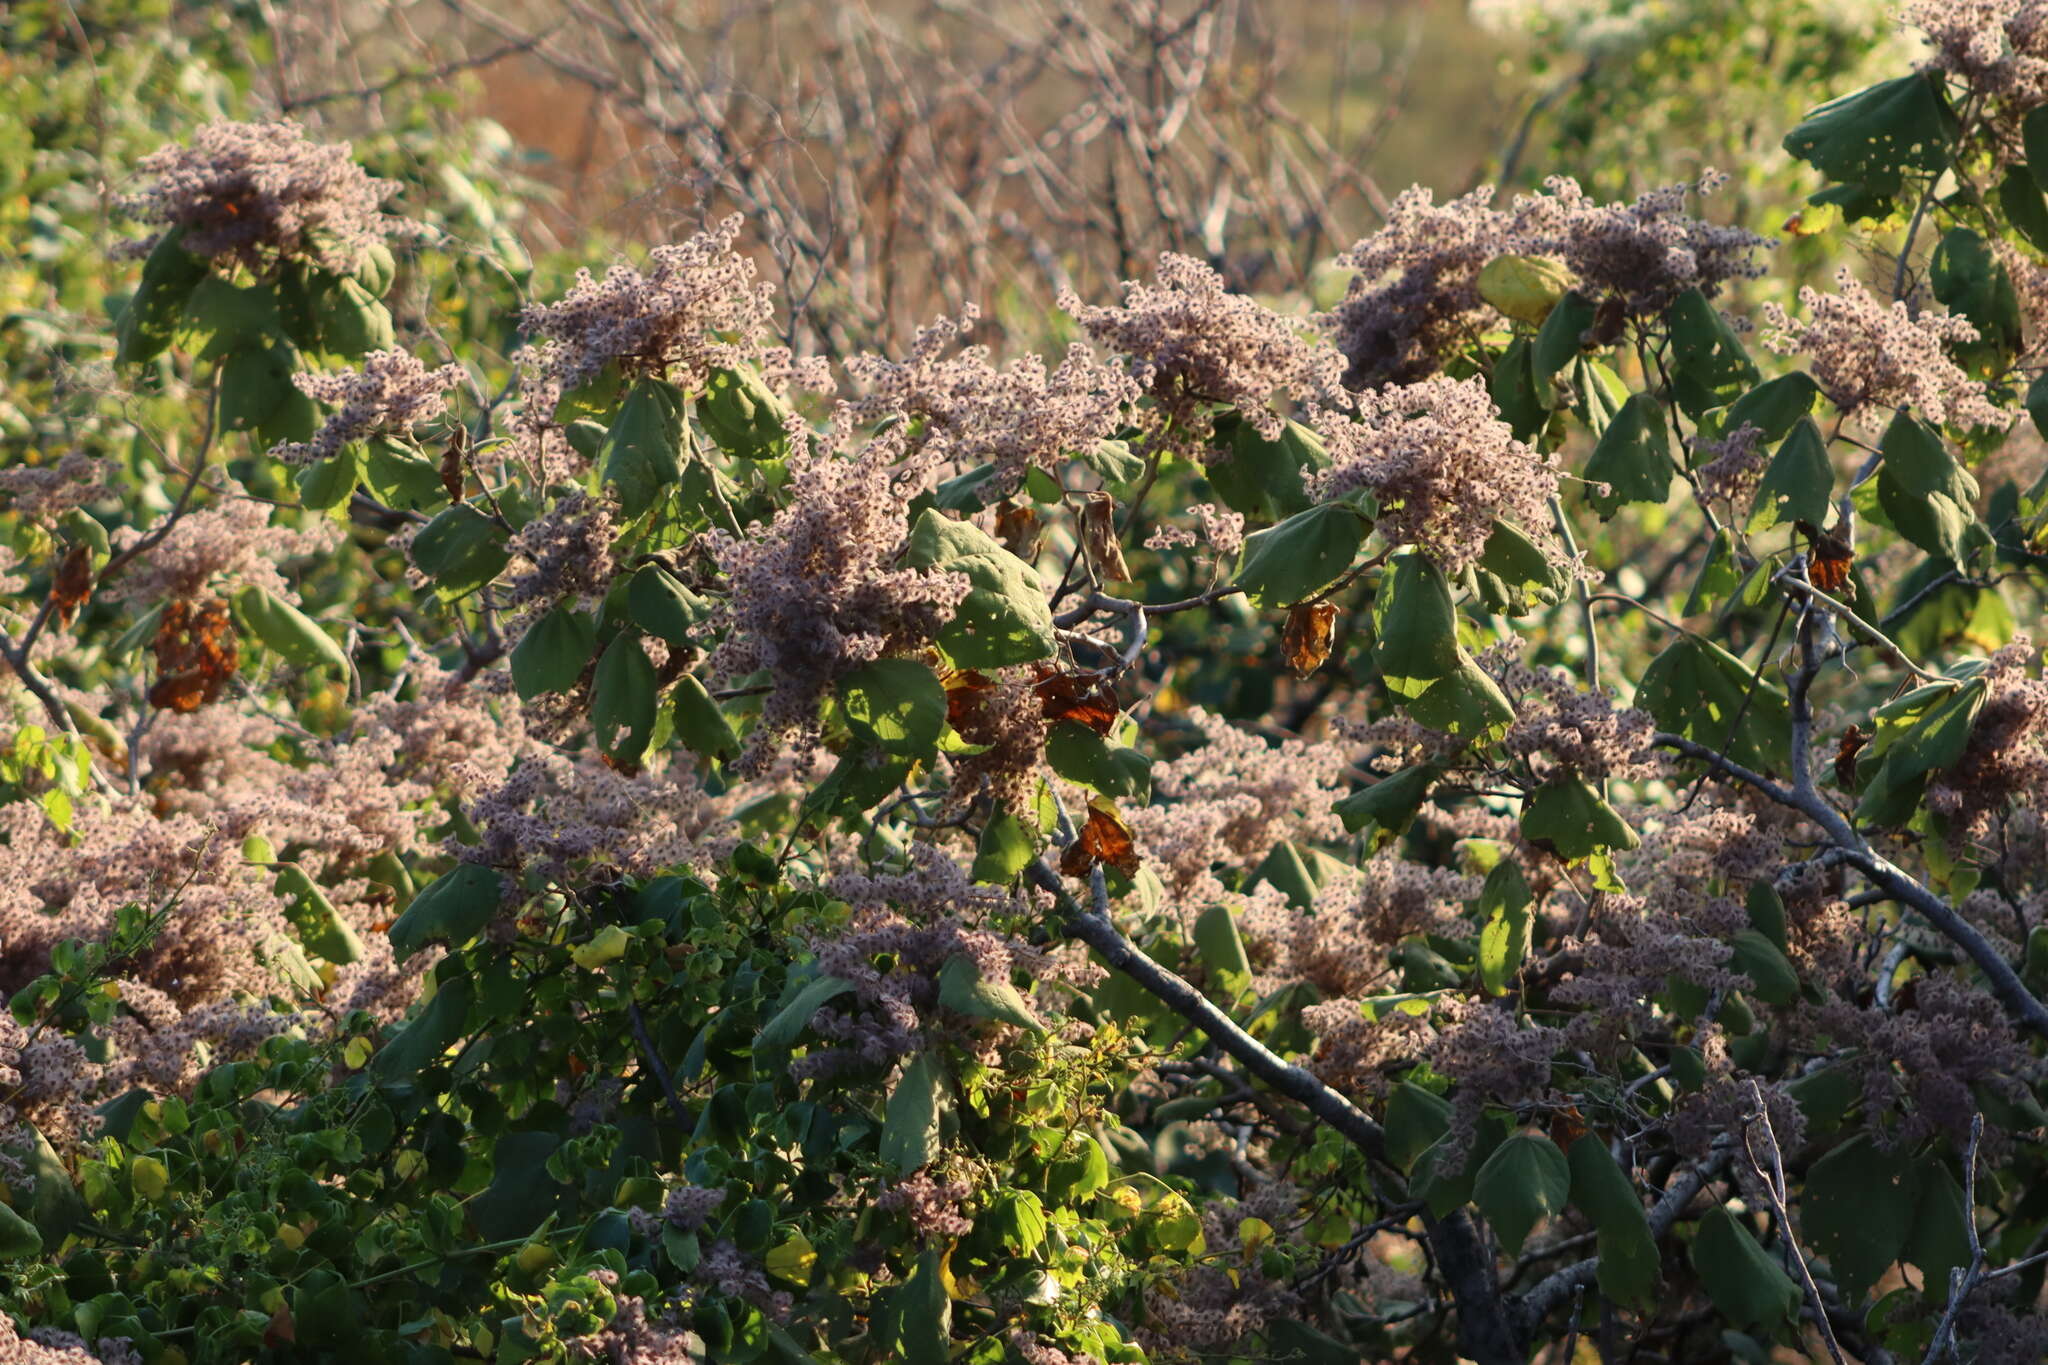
x: 289, y: 631
x: 355, y: 322
x: 460, y: 550
x: 897, y: 704
x: 1512, y: 386
x: 1870, y: 140
x: 1114, y: 463
x: 2034, y: 137
x: 430, y: 1034
x: 1857, y: 1211
x: 1301, y: 556
x: 1504, y: 940
x: 964, y: 990
x: 1018, y: 1218
x: 1416, y: 1120
x: 1264, y: 479
x: 255, y: 382
x: 1719, y: 575
x: 1770, y: 972
x: 920, y: 1314
x: 1526, y: 1180
x: 701, y: 723
x: 1633, y: 458
x: 644, y: 449
x: 663, y: 607
x: 326, y: 484
x: 19, y: 1239
x: 1745, y: 1282
x: 1568, y: 817
x: 743, y: 415
x: 451, y: 909
x: 151, y: 318
x: 1514, y: 576
x: 1709, y: 366
x: 1080, y: 755
x: 221, y: 318
x: 1004, y: 619
x: 1927, y: 496
x: 399, y: 478
x: 1696, y: 689
x: 1222, y: 950
x: 1800, y: 483
x: 1934, y: 740
x: 624, y: 699
x: 780, y: 1033
x: 1628, y: 1253
x: 2020, y: 199
x: 1773, y: 406
x: 1970, y: 282
x: 1415, y: 626
x: 1391, y: 803
x: 553, y: 653
x: 320, y: 927
x: 1002, y: 851
x: 910, y: 1123
x: 1467, y: 704
x: 1938, y: 1239
x: 1560, y: 339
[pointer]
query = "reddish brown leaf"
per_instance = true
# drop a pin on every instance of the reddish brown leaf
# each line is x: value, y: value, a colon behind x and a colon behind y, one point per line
x: 280, y: 1330
x: 1082, y: 697
x: 1305, y: 640
x: 196, y: 654
x: 1829, y: 559
x: 1099, y: 537
x: 1103, y: 839
x: 451, y: 462
x: 73, y: 582
x: 1019, y: 527
x: 1608, y: 321
x: 1567, y: 1126
x: 965, y: 690
x: 1853, y: 740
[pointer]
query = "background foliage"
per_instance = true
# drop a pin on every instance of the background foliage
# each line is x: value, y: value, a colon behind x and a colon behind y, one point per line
x: 674, y: 815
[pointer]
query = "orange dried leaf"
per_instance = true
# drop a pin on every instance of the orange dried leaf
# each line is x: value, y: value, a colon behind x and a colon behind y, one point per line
x: 1829, y: 560
x: 196, y: 654
x: 1305, y: 640
x: 73, y: 582
x: 1104, y: 838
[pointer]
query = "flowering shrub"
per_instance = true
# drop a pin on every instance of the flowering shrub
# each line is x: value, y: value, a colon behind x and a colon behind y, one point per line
x: 1469, y: 825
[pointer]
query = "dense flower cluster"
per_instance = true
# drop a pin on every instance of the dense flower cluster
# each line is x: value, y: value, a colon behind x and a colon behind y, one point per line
x: 1441, y: 465
x: 1575, y: 732
x: 1730, y: 469
x: 1227, y: 801
x: 1414, y: 299
x: 225, y: 546
x: 1998, y: 48
x: 696, y: 309
x: 818, y: 594
x: 42, y: 493
x: 1866, y: 356
x: 262, y: 193
x: 1646, y: 253
x: 390, y: 393
x: 1017, y: 418
x: 1193, y: 344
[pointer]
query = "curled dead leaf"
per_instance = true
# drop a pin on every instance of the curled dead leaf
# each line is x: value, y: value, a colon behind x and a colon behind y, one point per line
x: 1852, y: 742
x: 1099, y: 537
x: 1020, y: 528
x: 1305, y: 639
x: 72, y: 584
x: 1829, y: 558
